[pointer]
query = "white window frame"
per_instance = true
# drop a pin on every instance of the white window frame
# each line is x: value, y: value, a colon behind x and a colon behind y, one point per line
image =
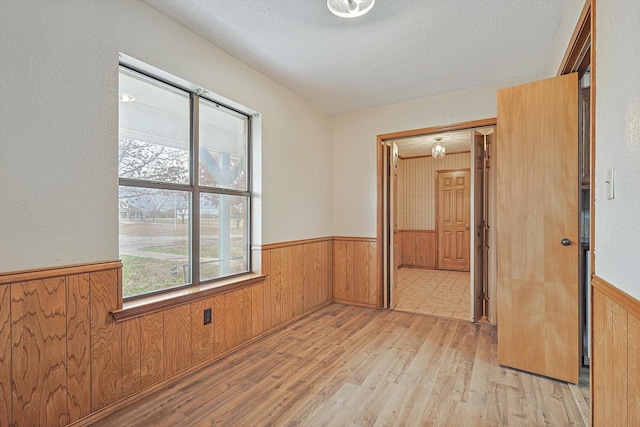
x: 193, y: 187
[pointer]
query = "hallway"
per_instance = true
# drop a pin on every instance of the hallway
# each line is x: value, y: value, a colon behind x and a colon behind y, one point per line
x: 439, y: 293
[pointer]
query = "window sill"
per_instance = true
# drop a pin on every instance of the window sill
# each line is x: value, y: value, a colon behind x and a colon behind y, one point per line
x: 154, y: 303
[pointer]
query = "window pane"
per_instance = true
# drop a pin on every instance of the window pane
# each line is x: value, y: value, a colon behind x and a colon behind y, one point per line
x: 223, y: 235
x: 223, y: 147
x: 153, y: 128
x: 154, y: 239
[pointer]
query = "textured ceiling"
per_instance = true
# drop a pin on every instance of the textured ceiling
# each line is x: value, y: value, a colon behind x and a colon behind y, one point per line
x: 455, y: 141
x: 401, y: 50
x: 416, y: 146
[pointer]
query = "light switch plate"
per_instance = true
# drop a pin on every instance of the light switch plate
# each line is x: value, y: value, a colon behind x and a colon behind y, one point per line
x: 611, y: 176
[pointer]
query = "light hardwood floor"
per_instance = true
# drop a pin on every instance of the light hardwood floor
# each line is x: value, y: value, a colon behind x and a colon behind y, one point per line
x: 439, y: 293
x: 352, y: 366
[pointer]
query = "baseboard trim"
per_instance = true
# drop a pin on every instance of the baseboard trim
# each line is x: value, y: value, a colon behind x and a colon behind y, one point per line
x: 357, y: 304
x: 295, y: 243
x: 317, y: 240
x: 631, y: 304
x: 355, y: 239
x: 49, y: 272
x: 423, y: 267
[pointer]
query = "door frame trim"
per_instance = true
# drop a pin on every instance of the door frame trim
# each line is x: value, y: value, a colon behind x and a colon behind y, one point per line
x: 578, y: 54
x: 380, y: 140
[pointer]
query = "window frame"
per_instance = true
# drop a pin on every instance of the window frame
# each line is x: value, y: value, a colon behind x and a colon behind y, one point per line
x: 193, y: 187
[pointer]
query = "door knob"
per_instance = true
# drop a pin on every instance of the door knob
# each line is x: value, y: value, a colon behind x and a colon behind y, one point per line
x: 466, y: 226
x: 565, y: 242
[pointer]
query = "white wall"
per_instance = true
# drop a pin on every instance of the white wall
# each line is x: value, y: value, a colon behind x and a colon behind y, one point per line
x: 570, y: 16
x: 354, y: 134
x: 617, y: 221
x: 58, y: 131
x: 59, y: 128
x: 354, y: 148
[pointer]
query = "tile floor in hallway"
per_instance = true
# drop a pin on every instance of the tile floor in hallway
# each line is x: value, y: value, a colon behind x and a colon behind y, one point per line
x: 435, y: 292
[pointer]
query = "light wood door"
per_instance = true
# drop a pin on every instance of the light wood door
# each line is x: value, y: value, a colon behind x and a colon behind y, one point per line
x: 491, y: 310
x: 394, y: 261
x: 478, y: 226
x: 537, y: 207
x: 391, y: 237
x: 453, y: 219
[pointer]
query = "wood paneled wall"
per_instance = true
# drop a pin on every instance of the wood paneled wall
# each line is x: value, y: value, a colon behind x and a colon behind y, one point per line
x: 418, y: 248
x: 615, y: 361
x: 299, y: 279
x: 355, y: 278
x: 51, y: 339
x: 63, y: 357
x: 6, y: 409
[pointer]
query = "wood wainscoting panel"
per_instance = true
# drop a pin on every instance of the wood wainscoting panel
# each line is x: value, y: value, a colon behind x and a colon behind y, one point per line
x: 350, y: 273
x: 39, y: 334
x: 300, y: 282
x: 202, y: 336
x: 320, y: 261
x: 312, y: 277
x: 70, y: 362
x: 275, y: 276
x: 340, y: 270
x: 298, y: 279
x: 257, y: 309
x: 106, y: 340
x: 177, y: 339
x: 355, y: 271
x: 327, y: 269
x: 598, y: 303
x: 6, y: 416
x: 633, y: 392
x: 408, y: 253
x: 151, y: 349
x: 366, y: 290
x: 238, y: 309
x: 286, y: 260
x: 361, y: 263
x: 616, y: 343
x: 373, y: 273
x: 131, y: 357
x: 245, y: 297
x: 220, y: 323
x: 266, y: 289
x: 406, y: 256
x: 616, y: 351
x: 418, y: 248
x: 78, y: 346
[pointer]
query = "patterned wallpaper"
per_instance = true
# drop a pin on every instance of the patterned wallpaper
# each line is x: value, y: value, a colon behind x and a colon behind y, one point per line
x: 417, y: 189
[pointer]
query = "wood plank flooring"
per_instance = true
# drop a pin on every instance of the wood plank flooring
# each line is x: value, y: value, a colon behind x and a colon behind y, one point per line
x: 352, y: 366
x: 439, y: 293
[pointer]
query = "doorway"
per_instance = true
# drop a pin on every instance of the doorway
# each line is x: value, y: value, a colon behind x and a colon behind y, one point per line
x: 438, y: 206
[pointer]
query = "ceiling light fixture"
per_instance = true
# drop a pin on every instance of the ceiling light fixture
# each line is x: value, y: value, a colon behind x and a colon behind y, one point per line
x: 438, y: 148
x: 350, y: 8
x: 125, y: 97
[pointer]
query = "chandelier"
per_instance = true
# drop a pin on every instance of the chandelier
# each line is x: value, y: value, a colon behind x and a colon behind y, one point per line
x: 350, y: 8
x: 438, y: 148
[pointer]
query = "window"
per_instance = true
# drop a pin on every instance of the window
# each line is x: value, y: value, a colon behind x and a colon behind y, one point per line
x: 184, y: 195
